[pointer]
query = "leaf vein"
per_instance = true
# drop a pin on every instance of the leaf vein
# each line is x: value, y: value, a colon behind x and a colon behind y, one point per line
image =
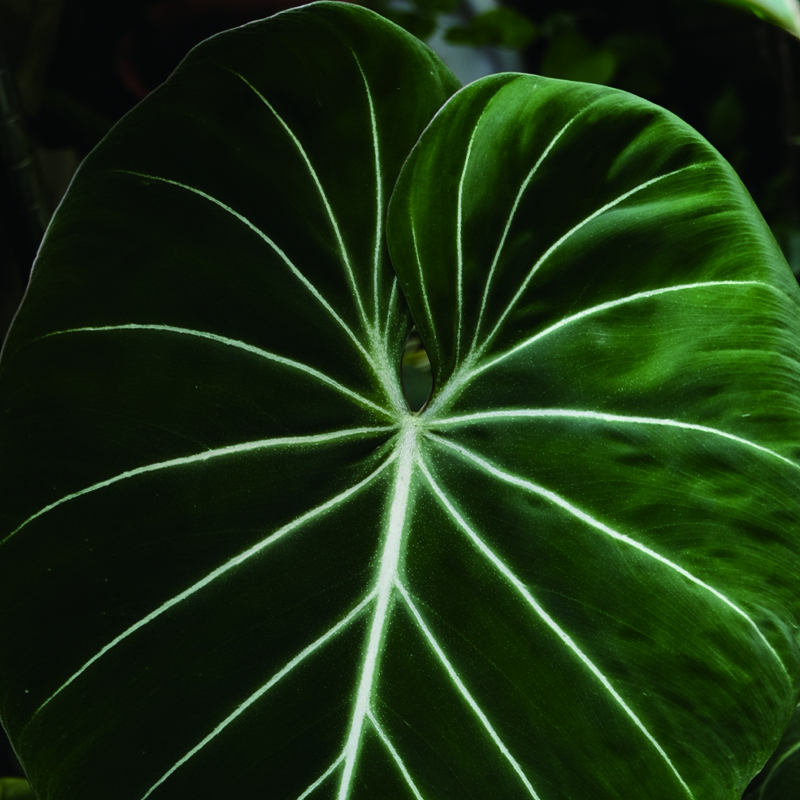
x: 509, y: 575
x: 282, y: 673
x: 277, y: 250
x: 323, y: 196
x: 286, y: 362
x: 463, y: 691
x: 276, y: 536
x: 553, y: 413
x: 571, y: 232
x: 603, y: 528
x: 394, y: 754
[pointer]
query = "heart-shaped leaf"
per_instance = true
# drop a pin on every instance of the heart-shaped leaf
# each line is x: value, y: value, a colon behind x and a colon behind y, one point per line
x: 234, y: 563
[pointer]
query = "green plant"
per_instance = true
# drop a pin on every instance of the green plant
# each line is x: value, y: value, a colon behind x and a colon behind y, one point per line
x: 233, y: 562
x: 784, y: 13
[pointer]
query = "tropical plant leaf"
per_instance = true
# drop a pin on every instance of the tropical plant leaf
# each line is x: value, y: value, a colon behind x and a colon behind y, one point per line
x: 233, y: 561
x: 784, y: 13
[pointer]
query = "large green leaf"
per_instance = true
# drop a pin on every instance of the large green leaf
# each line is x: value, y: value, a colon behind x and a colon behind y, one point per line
x: 233, y: 563
x: 784, y: 13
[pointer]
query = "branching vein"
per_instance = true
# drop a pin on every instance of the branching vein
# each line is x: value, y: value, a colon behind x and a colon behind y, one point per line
x: 282, y: 673
x: 198, y: 458
x: 224, y: 340
x: 597, y: 525
x: 469, y: 370
x: 323, y: 196
x: 558, y: 413
x: 378, y: 191
x: 571, y: 232
x: 549, y: 621
x: 394, y: 754
x: 464, y: 692
x: 273, y: 538
x: 322, y: 778
x: 512, y: 214
x: 277, y: 250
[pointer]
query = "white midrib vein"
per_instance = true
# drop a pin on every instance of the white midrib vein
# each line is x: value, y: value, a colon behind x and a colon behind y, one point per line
x: 384, y: 585
x: 278, y: 676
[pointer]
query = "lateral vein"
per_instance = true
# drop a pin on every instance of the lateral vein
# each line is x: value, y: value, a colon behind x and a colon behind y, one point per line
x: 509, y: 575
x: 517, y: 199
x: 597, y: 525
x: 228, y: 565
x: 394, y: 754
x: 224, y: 340
x: 322, y: 778
x: 600, y: 307
x: 550, y: 250
x: 463, y: 691
x: 282, y: 673
x: 378, y: 191
x: 277, y: 250
x: 219, y: 452
x: 551, y: 413
x: 323, y: 196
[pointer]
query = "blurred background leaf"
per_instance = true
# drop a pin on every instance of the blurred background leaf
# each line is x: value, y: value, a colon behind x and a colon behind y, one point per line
x: 15, y: 789
x: 500, y: 27
x: 785, y: 13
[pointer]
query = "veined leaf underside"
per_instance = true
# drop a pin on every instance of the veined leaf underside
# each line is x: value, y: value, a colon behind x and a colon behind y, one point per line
x: 408, y: 459
x: 389, y: 497
x: 388, y: 585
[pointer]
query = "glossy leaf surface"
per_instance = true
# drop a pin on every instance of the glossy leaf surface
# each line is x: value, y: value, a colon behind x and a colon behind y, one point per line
x: 236, y: 564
